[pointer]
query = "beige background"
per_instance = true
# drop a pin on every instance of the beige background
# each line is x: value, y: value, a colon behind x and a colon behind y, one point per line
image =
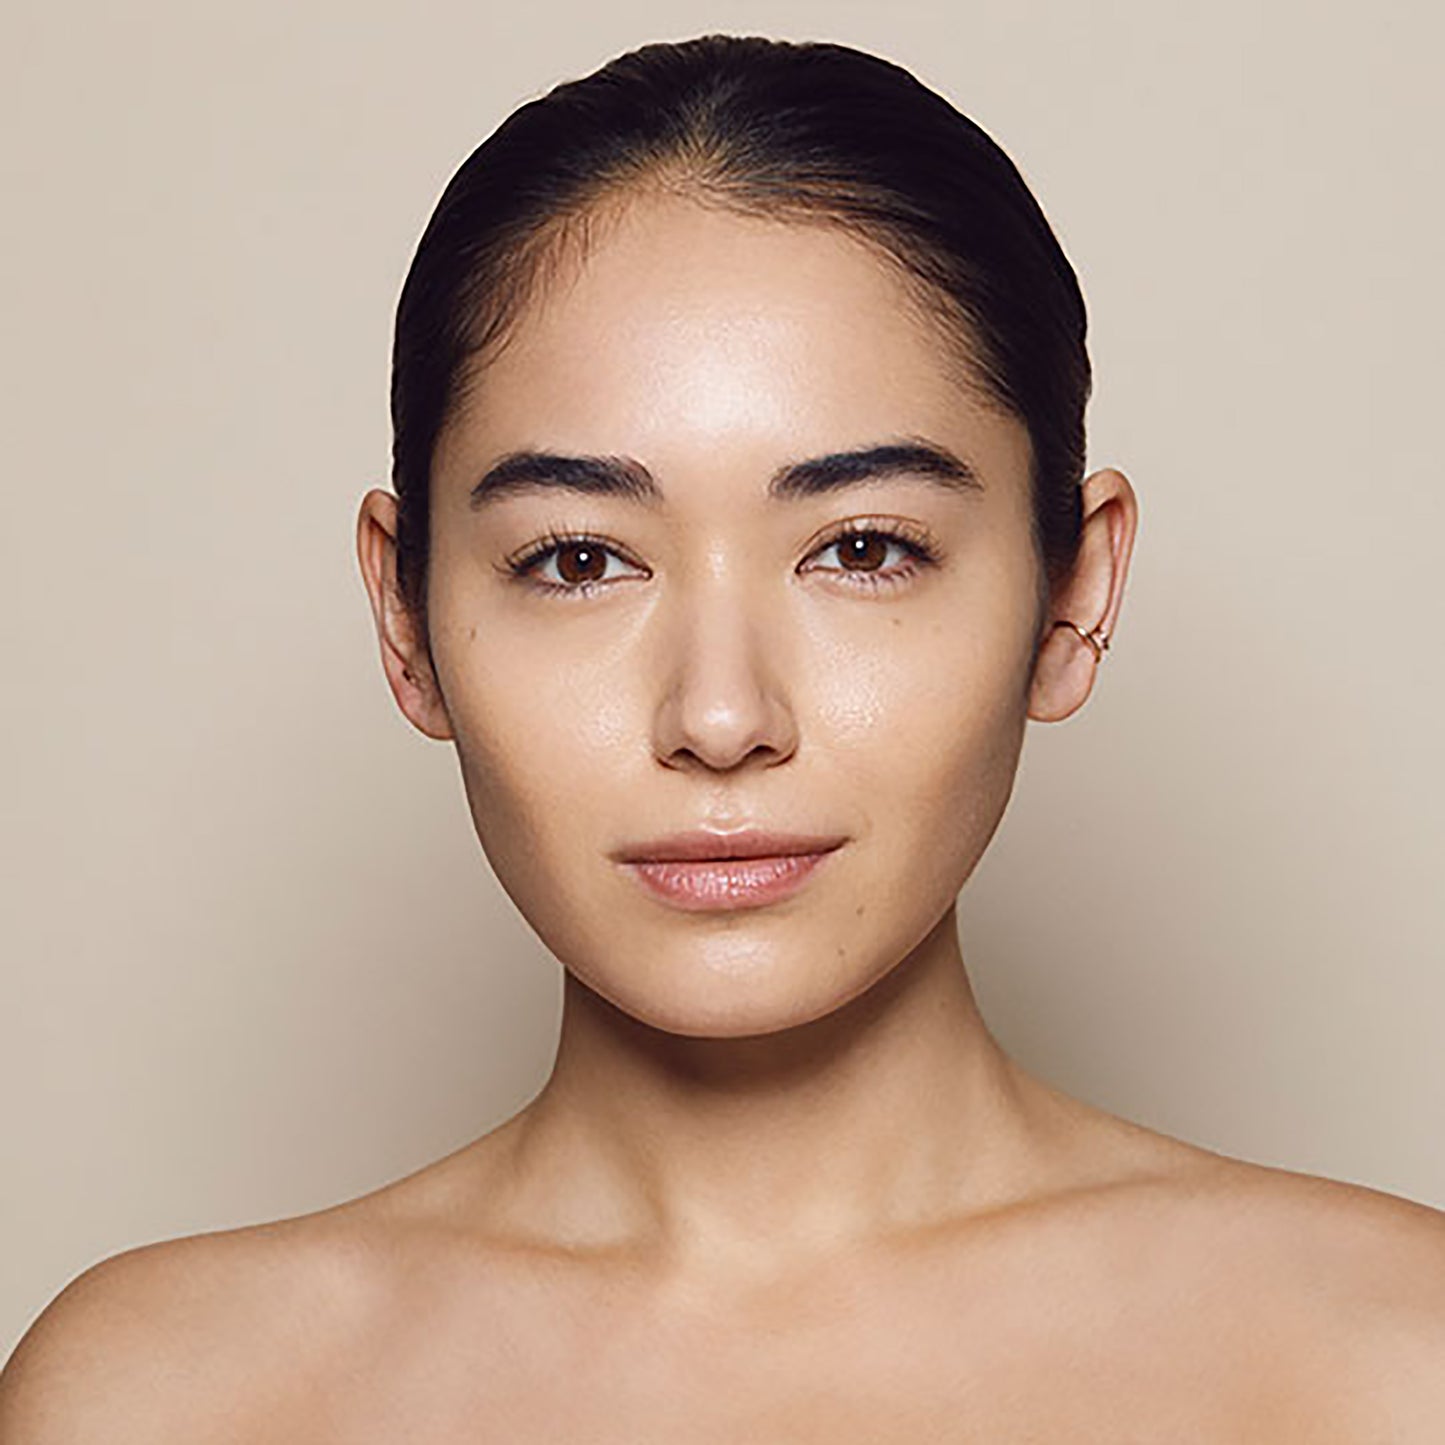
x: 254, y: 960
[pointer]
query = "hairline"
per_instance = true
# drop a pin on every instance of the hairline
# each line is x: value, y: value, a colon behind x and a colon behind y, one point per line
x: 555, y: 252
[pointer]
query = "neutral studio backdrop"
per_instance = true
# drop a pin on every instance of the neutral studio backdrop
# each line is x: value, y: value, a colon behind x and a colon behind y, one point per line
x: 254, y: 961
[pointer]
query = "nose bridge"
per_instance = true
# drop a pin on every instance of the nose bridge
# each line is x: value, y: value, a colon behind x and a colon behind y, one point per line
x: 724, y: 690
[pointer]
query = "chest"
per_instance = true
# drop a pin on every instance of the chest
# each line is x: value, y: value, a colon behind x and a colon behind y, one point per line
x: 895, y: 1369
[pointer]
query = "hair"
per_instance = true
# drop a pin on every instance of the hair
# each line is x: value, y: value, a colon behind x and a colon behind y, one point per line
x: 814, y: 133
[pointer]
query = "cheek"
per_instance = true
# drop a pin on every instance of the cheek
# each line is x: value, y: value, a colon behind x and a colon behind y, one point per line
x: 927, y: 732
x: 539, y: 738
x: 493, y: 703
x: 964, y: 777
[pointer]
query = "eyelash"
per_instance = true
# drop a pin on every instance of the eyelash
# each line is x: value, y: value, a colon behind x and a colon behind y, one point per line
x: 916, y: 544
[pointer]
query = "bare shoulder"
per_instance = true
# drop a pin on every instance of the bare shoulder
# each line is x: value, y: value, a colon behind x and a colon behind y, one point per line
x: 1347, y: 1240
x: 1329, y: 1296
x: 244, y: 1334
x: 1324, y: 1235
x: 1348, y: 1277
x: 1377, y: 1257
x: 200, y: 1338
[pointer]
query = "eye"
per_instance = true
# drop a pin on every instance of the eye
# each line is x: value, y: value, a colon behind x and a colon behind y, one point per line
x: 581, y: 562
x: 863, y: 549
x: 581, y: 559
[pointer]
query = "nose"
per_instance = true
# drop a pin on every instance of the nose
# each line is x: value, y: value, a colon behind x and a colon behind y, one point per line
x: 723, y: 694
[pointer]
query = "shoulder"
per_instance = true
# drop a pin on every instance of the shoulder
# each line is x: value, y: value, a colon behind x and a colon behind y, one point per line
x: 258, y: 1333
x: 185, y: 1339
x: 1370, y: 1267
x: 1327, y: 1237
x: 1308, y: 1234
x: 1325, y: 1296
x: 1344, y: 1283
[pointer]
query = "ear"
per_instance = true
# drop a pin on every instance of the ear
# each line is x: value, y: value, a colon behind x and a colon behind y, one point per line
x: 1090, y: 595
x: 405, y: 655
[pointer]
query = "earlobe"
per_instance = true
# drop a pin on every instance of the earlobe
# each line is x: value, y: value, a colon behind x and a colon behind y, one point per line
x: 405, y: 658
x: 1063, y: 673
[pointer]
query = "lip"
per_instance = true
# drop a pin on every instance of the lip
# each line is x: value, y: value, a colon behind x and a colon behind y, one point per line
x: 704, y: 871
x: 707, y: 845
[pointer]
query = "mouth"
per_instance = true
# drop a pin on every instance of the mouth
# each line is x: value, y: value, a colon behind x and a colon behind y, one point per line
x: 729, y: 878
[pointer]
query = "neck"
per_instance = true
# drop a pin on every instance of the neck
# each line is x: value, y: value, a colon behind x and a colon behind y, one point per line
x: 896, y: 1112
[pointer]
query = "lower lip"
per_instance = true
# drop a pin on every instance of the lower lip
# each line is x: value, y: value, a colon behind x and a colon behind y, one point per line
x: 730, y: 883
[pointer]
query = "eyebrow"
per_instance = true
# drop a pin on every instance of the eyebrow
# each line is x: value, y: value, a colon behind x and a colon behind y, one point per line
x: 521, y: 472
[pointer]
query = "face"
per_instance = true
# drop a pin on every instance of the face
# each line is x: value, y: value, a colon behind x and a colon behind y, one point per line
x: 718, y: 655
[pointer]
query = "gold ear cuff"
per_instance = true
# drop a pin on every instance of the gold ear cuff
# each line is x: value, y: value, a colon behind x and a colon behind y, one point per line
x: 1097, y: 639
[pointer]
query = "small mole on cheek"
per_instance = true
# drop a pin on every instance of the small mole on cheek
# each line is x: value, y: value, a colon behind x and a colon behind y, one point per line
x: 861, y: 906
x: 472, y: 633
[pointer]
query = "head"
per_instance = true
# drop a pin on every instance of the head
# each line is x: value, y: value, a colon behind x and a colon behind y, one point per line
x: 738, y: 399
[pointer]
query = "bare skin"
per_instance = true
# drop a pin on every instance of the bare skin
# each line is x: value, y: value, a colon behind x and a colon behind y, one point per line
x: 782, y: 1183
x: 1187, y: 1297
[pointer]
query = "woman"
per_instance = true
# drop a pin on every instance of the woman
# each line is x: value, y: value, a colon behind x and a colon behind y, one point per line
x: 740, y: 527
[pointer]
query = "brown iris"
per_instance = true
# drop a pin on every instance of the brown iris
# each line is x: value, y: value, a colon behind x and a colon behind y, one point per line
x: 865, y: 547
x: 589, y: 555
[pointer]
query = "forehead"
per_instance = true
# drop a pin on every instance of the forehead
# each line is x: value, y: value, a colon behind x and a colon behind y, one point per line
x: 687, y: 334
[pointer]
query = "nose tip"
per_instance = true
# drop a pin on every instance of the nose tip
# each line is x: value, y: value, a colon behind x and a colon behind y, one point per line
x: 724, y: 739
x: 726, y: 700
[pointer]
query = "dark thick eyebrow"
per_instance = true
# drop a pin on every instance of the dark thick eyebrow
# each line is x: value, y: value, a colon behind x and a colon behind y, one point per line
x: 538, y: 471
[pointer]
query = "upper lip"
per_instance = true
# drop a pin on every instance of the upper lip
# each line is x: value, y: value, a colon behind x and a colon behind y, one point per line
x: 703, y: 843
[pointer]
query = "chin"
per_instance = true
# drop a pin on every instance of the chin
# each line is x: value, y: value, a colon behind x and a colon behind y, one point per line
x: 760, y: 992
